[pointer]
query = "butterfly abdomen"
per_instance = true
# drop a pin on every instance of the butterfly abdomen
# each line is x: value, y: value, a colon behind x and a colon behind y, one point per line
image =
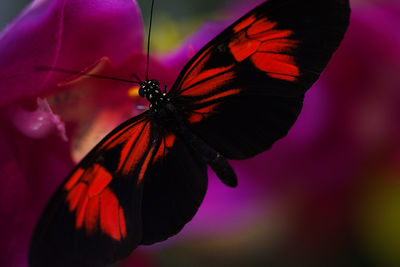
x: 211, y: 157
x: 174, y: 120
x: 224, y: 170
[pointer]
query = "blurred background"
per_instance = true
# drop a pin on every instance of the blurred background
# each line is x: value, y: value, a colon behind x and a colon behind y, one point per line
x: 326, y: 195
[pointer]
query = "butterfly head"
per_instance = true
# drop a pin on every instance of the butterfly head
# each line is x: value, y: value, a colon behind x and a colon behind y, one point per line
x: 150, y: 90
x: 149, y: 87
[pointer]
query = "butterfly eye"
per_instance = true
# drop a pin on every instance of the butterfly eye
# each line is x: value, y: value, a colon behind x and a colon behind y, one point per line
x: 142, y: 90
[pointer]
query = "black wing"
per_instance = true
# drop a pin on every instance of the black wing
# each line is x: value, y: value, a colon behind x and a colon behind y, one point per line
x: 130, y: 189
x: 245, y: 89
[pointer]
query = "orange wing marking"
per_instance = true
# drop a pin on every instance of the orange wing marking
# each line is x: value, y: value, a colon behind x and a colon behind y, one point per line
x: 220, y: 95
x: 277, y: 66
x: 261, y: 26
x: 121, y: 136
x: 263, y: 45
x: 271, y: 35
x: 75, y: 195
x: 74, y: 178
x: 209, y: 85
x: 244, y: 24
x: 100, y: 182
x: 143, y: 168
x: 165, y: 145
x: 204, y: 75
x: 96, y: 206
x: 92, y: 215
x: 201, y: 113
x: 195, y: 68
x: 134, y: 149
x: 110, y: 215
x: 242, y: 47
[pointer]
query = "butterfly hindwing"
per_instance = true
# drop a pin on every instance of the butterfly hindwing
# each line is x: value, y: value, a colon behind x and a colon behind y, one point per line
x: 173, y: 191
x: 245, y: 88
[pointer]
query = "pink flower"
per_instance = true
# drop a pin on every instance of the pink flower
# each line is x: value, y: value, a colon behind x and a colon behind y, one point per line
x: 293, y: 200
x: 40, y: 111
x: 49, y: 120
x: 299, y: 203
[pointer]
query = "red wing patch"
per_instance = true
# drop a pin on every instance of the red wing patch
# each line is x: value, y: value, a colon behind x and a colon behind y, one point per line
x: 198, y: 114
x: 196, y: 67
x: 204, y: 75
x: 96, y: 207
x: 155, y: 155
x: 134, y: 148
x: 166, y: 144
x: 244, y: 24
x: 206, y: 86
x: 266, y: 47
x: 209, y: 83
x: 122, y: 135
x: 90, y: 197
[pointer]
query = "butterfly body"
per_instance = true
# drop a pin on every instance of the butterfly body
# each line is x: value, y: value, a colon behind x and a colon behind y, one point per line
x: 167, y: 116
x: 150, y: 90
x: 147, y: 178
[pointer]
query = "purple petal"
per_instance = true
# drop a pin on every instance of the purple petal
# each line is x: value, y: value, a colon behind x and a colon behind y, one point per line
x: 66, y: 33
x: 39, y: 123
x: 362, y: 78
x: 31, y: 171
x: 178, y: 58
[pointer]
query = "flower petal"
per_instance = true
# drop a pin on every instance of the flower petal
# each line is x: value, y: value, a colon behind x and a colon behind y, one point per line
x: 179, y: 57
x: 31, y: 171
x: 39, y: 123
x: 65, y: 33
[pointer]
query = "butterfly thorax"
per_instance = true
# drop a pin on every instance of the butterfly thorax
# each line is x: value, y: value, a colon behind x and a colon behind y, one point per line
x: 150, y: 90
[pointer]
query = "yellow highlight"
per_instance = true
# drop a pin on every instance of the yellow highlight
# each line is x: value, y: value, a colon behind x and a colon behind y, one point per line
x: 133, y: 92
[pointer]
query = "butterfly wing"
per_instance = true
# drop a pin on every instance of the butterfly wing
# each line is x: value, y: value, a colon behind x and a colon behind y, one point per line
x: 245, y: 88
x: 240, y: 93
x: 99, y: 214
x: 173, y: 191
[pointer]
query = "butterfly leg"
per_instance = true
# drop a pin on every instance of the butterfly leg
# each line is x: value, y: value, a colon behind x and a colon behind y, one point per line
x: 140, y: 107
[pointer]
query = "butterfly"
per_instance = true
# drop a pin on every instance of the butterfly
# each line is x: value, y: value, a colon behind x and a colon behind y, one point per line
x: 147, y: 178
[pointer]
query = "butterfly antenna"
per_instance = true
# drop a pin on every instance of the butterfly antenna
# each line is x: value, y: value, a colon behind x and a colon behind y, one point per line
x: 136, y: 77
x: 81, y: 73
x: 148, y: 40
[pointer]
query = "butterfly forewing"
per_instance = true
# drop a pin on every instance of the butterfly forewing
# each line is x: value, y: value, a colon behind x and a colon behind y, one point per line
x: 97, y: 215
x: 94, y: 217
x: 245, y: 88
